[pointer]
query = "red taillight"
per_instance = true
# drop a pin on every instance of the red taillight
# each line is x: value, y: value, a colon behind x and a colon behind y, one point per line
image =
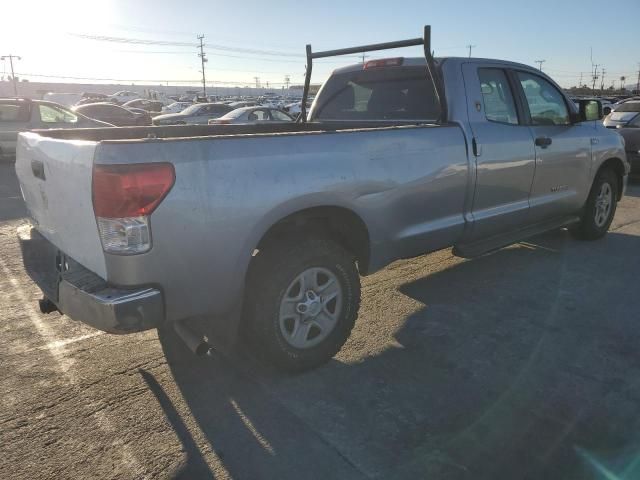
x: 384, y: 62
x: 131, y: 190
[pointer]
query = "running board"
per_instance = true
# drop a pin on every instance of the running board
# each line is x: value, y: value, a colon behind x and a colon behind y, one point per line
x: 475, y: 249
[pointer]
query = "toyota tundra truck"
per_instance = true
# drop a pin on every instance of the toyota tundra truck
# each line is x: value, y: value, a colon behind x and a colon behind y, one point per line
x: 262, y: 232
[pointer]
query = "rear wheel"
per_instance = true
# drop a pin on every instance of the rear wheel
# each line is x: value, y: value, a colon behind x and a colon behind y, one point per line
x: 303, y: 302
x: 600, y: 207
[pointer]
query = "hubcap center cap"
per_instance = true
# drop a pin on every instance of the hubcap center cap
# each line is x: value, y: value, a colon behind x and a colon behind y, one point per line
x: 311, y: 305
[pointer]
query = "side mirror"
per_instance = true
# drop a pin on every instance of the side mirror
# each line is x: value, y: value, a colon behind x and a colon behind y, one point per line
x: 589, y: 110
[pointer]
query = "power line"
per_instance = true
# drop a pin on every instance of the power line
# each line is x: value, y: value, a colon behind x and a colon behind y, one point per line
x: 147, y: 80
x: 13, y: 76
x: 139, y: 41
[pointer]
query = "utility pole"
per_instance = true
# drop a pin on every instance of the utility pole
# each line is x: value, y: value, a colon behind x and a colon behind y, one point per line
x: 580, y: 84
x: 540, y: 62
x: 13, y: 75
x: 363, y: 57
x: 257, y: 79
x: 622, y: 79
x: 203, y: 60
x: 602, y: 80
x: 471, y: 47
x: 287, y: 79
x: 594, y: 77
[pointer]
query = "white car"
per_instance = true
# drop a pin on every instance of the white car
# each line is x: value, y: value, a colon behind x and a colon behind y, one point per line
x: 252, y: 115
x: 176, y: 107
x: 124, y: 96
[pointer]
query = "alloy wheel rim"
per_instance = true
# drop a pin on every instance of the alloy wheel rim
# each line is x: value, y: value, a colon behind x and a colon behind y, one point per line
x: 604, y: 202
x: 310, y: 307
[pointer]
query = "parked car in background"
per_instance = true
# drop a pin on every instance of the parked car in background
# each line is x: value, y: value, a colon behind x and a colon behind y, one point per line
x: 20, y: 115
x: 103, y: 96
x: 154, y: 106
x: 242, y: 104
x: 250, y: 115
x: 175, y: 107
x: 114, y: 114
x: 623, y: 114
x: 123, y: 96
x: 631, y: 134
x: 626, y: 121
x: 198, y: 114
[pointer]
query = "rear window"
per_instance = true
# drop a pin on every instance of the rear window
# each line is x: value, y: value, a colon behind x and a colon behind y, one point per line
x: 405, y: 93
x: 629, y: 107
x: 13, y: 113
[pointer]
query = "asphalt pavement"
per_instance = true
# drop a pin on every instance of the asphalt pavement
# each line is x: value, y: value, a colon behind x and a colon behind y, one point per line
x: 519, y: 364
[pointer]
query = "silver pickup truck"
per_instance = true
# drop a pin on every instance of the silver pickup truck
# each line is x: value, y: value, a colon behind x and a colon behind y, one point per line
x: 212, y: 231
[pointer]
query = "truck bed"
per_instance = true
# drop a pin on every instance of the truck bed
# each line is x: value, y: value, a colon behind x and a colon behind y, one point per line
x: 193, y: 131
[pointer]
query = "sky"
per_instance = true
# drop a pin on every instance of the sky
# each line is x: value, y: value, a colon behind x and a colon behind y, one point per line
x: 154, y: 41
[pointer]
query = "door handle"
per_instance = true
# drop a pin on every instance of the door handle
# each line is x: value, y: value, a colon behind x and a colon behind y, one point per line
x: 543, y: 142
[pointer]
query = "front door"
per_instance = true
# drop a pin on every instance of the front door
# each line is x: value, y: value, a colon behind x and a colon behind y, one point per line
x: 563, y: 150
x: 503, y: 149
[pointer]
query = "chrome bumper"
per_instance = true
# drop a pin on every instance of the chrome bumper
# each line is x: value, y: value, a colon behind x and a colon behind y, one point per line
x: 82, y: 295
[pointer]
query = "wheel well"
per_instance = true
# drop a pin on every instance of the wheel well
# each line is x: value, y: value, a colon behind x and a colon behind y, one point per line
x: 616, y: 165
x: 340, y: 224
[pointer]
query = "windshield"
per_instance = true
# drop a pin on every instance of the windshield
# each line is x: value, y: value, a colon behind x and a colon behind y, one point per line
x: 378, y: 94
x: 192, y: 109
x: 629, y: 107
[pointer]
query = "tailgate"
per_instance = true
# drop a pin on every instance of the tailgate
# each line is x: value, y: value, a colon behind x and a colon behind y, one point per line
x: 55, y: 180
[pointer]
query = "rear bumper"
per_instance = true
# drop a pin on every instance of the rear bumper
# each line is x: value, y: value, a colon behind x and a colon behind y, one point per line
x: 82, y: 295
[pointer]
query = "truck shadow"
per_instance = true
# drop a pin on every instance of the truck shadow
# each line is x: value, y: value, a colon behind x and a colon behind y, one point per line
x: 520, y: 364
x: 11, y: 203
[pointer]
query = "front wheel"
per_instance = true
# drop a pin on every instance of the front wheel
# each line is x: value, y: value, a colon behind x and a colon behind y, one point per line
x: 303, y: 302
x: 600, y: 207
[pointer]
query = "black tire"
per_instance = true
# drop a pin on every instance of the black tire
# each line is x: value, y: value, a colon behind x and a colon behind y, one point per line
x: 589, y: 228
x: 270, y: 279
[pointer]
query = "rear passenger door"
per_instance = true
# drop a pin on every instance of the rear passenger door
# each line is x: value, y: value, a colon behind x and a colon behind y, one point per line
x: 562, y: 148
x: 503, y: 150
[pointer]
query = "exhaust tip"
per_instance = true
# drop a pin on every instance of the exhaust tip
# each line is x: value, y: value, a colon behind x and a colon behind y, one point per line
x: 197, y: 344
x: 202, y: 349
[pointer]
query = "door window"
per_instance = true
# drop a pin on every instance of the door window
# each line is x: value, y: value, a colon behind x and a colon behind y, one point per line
x: 497, y: 97
x: 51, y: 114
x: 279, y: 116
x: 546, y: 104
x: 259, y: 115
